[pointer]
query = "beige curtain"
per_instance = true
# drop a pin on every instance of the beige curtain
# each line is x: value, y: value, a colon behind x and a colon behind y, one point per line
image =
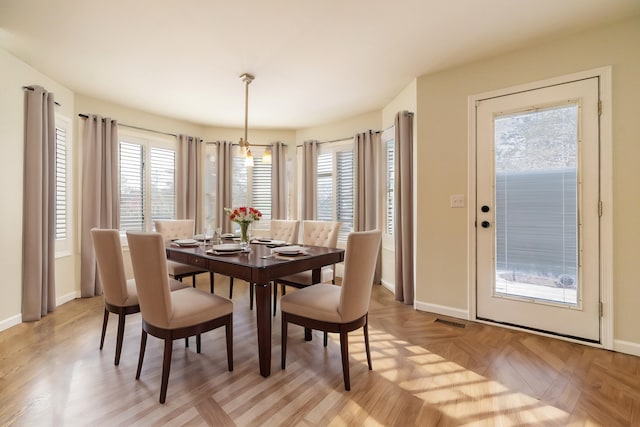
x: 403, y: 193
x: 278, y: 181
x: 309, y: 166
x: 189, y: 180
x: 100, y: 193
x: 223, y: 174
x: 366, y: 153
x: 39, y: 205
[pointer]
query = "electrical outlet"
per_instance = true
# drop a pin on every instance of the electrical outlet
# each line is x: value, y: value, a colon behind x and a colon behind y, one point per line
x: 457, y: 200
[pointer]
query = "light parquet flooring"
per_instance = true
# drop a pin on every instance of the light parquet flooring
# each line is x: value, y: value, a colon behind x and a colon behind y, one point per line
x: 425, y: 373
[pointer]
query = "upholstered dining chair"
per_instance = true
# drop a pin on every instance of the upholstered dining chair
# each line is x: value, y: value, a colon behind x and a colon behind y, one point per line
x: 280, y: 229
x: 284, y: 229
x: 172, y: 229
x: 172, y: 315
x: 120, y: 295
x: 340, y: 309
x: 314, y: 233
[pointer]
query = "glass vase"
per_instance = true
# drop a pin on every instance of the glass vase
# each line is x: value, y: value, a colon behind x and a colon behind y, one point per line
x: 244, y: 235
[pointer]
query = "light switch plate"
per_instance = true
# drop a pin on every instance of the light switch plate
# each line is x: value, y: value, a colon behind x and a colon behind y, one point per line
x: 457, y: 200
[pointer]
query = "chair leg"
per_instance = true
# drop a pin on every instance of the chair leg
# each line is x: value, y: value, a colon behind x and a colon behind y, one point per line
x: 193, y: 280
x: 143, y: 346
x: 230, y: 287
x: 166, y: 367
x: 198, y: 344
x: 325, y: 338
x: 119, y: 338
x: 283, y: 343
x: 250, y: 296
x: 211, y: 280
x: 344, y: 349
x: 366, y: 342
x: 104, y: 327
x: 275, y: 298
x: 229, y: 334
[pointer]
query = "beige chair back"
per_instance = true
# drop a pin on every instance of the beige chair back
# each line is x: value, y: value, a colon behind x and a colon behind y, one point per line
x: 320, y: 233
x: 149, y: 261
x: 107, y: 246
x: 285, y: 229
x: 176, y: 228
x: 359, y: 268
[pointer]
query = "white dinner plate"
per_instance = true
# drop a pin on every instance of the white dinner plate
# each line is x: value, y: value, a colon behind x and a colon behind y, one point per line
x: 269, y: 242
x: 288, y: 250
x: 219, y: 253
x: 226, y: 247
x: 202, y: 237
x: 185, y: 242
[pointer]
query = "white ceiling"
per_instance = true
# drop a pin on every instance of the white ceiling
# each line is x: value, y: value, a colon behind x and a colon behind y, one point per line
x: 314, y: 61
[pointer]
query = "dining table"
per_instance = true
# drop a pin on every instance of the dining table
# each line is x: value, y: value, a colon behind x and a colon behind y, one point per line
x: 259, y: 266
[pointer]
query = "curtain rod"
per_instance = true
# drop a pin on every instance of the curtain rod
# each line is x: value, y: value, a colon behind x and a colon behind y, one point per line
x: 31, y: 88
x: 250, y: 145
x: 86, y: 116
x: 338, y: 140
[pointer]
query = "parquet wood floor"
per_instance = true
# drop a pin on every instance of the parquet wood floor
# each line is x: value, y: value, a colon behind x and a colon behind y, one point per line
x: 425, y: 373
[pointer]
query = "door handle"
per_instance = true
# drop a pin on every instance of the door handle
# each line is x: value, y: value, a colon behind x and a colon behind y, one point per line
x: 485, y: 224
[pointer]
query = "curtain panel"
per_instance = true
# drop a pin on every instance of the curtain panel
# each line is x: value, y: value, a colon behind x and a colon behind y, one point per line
x: 189, y: 180
x: 309, y: 180
x: 223, y: 184
x: 100, y: 193
x: 366, y: 153
x: 278, y: 181
x: 403, y: 219
x: 39, y: 205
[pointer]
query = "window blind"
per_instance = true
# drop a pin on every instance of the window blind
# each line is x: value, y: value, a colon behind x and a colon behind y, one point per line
x: 389, y: 211
x: 131, y: 187
x: 61, y: 183
x: 162, y: 174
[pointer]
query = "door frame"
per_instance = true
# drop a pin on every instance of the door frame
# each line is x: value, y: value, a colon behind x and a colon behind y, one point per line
x: 606, y: 197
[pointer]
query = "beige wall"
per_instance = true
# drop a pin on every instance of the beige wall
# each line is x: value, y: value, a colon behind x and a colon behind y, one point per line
x: 443, y: 153
x: 16, y: 74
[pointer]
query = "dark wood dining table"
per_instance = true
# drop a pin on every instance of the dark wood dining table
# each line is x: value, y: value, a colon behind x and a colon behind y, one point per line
x: 259, y: 268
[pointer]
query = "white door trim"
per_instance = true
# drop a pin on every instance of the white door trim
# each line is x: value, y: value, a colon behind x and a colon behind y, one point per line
x: 606, y: 193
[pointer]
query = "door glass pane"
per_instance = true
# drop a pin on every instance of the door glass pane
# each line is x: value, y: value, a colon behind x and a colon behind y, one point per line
x: 536, y: 189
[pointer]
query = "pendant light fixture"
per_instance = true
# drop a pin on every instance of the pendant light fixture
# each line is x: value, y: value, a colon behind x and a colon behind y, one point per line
x: 243, y: 145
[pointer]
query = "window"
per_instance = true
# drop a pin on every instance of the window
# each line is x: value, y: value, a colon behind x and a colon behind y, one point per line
x: 147, y: 182
x: 335, y: 183
x: 388, y: 141
x: 252, y: 185
x: 210, y: 185
x: 63, y: 185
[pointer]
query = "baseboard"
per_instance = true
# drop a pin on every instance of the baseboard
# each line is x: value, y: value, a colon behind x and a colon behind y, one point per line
x: 17, y: 319
x: 388, y: 286
x: 68, y: 297
x: 627, y: 347
x: 11, y: 321
x: 443, y: 310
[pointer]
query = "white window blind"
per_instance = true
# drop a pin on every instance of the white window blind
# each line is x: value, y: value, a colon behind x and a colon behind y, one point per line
x: 252, y: 185
x: 131, y: 187
x: 147, y: 182
x: 390, y: 200
x: 335, y: 182
x: 61, y: 183
x: 163, y: 194
x: 210, y: 185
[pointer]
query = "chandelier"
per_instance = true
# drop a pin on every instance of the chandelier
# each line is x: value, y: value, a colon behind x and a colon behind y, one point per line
x: 243, y: 145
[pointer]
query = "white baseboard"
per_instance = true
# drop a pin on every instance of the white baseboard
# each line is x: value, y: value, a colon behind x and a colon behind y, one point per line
x: 11, y: 321
x: 388, y: 286
x: 442, y: 309
x: 627, y: 347
x: 17, y: 319
x: 68, y: 297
